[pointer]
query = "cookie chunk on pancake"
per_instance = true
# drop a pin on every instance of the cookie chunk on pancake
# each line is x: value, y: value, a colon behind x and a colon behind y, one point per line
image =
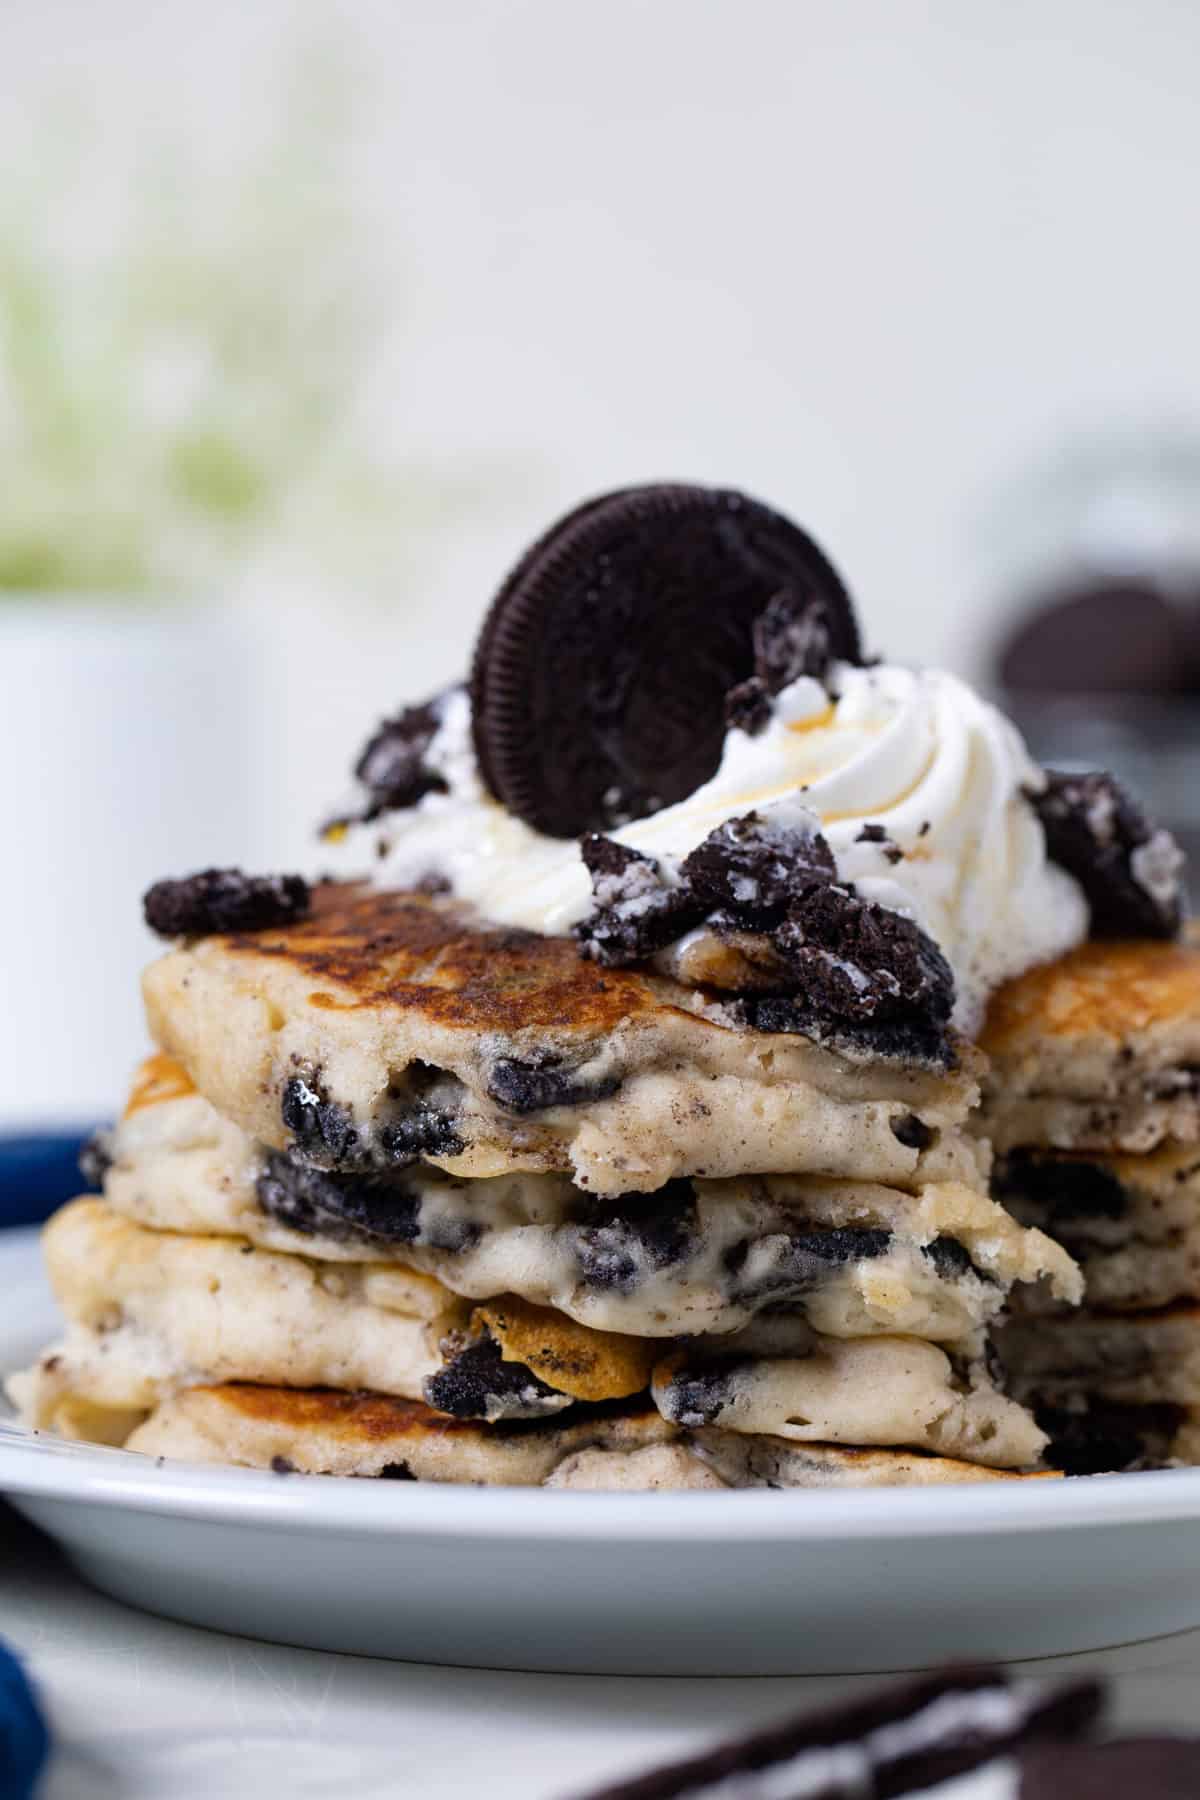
x: 388, y: 1027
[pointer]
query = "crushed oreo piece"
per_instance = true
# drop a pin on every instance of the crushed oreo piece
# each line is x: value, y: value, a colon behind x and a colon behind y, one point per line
x: 1061, y: 1189
x: 698, y: 1397
x: 877, y: 834
x: 345, y: 1209
x: 825, y: 962
x: 392, y: 768
x: 805, y: 1261
x: 637, y: 910
x: 319, y: 1125
x: 221, y: 900
x: 96, y: 1159
x: 756, y: 865
x: 396, y: 1471
x: 913, y: 1132
x: 951, y: 1259
x: 623, y: 1235
x: 923, y: 1042
x: 420, y: 1130
x: 1129, y: 869
x: 529, y: 1087
x: 477, y: 1383
x: 748, y: 706
x: 858, y: 961
x: 794, y: 635
x: 282, y: 1465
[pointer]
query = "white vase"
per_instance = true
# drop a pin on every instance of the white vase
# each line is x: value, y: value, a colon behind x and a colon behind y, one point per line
x: 127, y: 753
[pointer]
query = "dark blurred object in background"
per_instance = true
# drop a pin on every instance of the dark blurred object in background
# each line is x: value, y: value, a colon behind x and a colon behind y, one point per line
x: 1101, y: 668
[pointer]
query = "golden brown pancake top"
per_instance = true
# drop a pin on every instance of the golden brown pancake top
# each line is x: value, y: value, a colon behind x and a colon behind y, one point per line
x: 360, y: 947
x: 370, y: 1417
x: 1111, y: 989
x: 362, y: 1415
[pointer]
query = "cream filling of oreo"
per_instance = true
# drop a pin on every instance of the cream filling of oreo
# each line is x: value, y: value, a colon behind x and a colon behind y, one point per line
x: 915, y: 752
x: 849, y: 1768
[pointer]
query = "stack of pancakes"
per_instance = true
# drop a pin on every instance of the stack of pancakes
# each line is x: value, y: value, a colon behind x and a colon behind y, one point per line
x: 1092, y: 1102
x: 403, y: 1195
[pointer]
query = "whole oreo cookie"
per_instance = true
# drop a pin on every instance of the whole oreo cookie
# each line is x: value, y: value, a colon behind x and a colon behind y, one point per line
x: 599, y: 680
x: 1128, y: 868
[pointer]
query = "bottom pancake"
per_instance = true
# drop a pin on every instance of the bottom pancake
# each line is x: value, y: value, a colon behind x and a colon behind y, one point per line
x: 319, y: 1431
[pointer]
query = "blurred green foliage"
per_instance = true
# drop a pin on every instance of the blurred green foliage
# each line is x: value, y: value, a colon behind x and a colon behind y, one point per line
x: 169, y: 394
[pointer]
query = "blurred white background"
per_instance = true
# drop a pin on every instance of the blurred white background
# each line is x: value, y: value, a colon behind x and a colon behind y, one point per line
x: 870, y: 261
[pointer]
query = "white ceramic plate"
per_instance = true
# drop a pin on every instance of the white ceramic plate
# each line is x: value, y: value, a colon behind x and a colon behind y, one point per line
x: 687, y: 1584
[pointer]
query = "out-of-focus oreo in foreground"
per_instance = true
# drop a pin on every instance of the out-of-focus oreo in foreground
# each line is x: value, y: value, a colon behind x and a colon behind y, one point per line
x: 600, y: 677
x: 906, y: 1740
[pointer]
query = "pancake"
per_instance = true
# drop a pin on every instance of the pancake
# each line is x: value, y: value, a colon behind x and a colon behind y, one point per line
x: 1131, y: 1222
x: 151, y: 1312
x: 388, y: 1026
x: 696, y: 1257
x: 1121, y: 1359
x: 1097, y: 1051
x: 321, y: 1432
x: 739, y: 1461
x: 895, y: 1392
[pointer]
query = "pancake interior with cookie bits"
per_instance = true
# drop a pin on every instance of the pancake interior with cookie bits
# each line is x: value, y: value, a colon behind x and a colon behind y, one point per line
x: 611, y: 1117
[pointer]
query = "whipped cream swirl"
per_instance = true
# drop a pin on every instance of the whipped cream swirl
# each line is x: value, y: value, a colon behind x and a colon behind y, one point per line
x: 915, y: 781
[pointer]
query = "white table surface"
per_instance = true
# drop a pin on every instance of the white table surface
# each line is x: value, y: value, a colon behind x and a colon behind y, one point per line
x: 143, y: 1707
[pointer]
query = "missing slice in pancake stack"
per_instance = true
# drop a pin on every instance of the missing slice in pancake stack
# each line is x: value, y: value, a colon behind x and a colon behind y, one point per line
x: 621, y: 1132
